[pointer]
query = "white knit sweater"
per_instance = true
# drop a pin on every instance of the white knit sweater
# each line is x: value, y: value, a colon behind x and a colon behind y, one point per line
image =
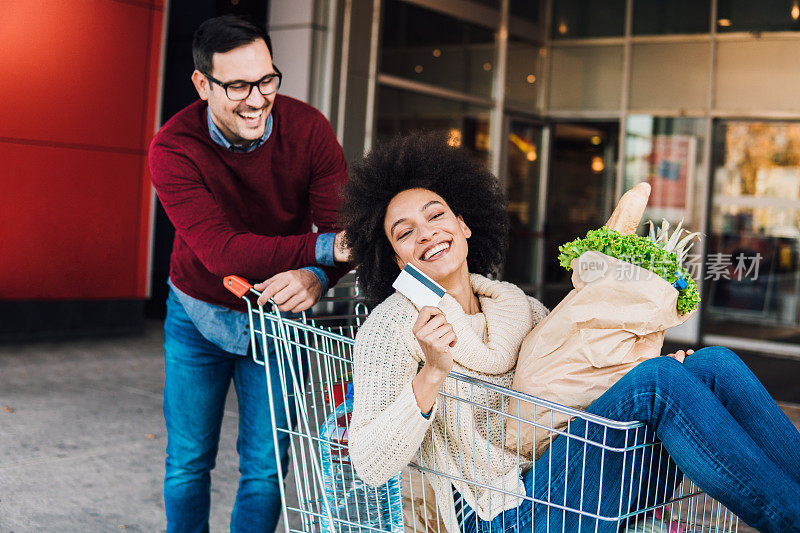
x: 387, y: 427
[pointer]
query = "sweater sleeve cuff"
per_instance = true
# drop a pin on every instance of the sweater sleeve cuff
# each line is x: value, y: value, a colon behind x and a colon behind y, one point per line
x: 407, y: 396
x: 323, y: 250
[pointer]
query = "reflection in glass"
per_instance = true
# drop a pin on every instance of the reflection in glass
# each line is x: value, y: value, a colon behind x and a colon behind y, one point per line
x: 764, y: 15
x: 402, y: 112
x: 661, y: 17
x: 426, y: 46
x: 523, y: 75
x: 588, y: 18
x: 522, y: 186
x: 580, y: 191
x: 752, y: 266
x: 667, y: 153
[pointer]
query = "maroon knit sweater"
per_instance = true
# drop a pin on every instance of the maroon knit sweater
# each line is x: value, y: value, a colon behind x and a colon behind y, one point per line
x: 247, y: 214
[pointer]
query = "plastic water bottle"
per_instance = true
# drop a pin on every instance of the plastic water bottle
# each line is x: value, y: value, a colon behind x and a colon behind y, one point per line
x: 356, y: 507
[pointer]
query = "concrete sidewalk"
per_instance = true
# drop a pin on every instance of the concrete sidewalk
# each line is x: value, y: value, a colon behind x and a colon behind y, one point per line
x: 82, y: 438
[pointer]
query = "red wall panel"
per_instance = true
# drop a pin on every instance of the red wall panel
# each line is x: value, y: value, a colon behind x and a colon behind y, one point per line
x: 79, y: 72
x: 75, y: 205
x: 72, y: 225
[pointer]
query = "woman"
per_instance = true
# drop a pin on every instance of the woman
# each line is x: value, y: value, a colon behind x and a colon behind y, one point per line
x: 417, y: 200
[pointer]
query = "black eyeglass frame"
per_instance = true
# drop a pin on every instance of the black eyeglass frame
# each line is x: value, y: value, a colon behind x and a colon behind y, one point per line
x: 252, y: 84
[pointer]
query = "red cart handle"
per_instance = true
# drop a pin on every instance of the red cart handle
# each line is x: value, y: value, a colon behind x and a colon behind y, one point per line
x: 237, y: 285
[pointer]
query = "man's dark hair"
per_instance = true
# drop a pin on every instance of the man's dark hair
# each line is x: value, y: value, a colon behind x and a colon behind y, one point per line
x: 427, y: 161
x: 223, y: 34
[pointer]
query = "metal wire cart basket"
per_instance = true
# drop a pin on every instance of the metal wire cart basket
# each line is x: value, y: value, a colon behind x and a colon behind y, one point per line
x: 324, y: 493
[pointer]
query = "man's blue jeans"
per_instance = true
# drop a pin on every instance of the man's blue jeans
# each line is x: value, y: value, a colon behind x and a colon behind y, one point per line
x: 716, y: 420
x: 198, y: 375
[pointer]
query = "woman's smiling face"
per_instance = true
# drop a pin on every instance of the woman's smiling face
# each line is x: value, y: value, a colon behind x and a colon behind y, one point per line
x: 425, y: 232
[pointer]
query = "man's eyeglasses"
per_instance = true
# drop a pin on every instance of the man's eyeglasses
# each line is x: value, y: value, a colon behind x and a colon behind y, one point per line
x: 240, y: 90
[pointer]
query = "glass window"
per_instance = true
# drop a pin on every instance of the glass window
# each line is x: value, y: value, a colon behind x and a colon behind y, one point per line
x: 401, y: 111
x: 588, y: 18
x: 522, y: 187
x: 764, y: 15
x: 660, y: 74
x: 667, y: 153
x: 580, y: 189
x: 523, y: 73
x: 758, y: 75
x: 661, y: 17
x: 525, y: 9
x: 586, y: 77
x: 426, y: 46
x: 753, y: 263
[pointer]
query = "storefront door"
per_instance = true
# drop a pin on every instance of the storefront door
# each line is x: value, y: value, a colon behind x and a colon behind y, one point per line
x: 524, y: 154
x: 752, y: 270
x: 580, y: 193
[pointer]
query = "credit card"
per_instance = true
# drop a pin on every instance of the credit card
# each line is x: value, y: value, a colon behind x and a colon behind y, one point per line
x: 418, y: 287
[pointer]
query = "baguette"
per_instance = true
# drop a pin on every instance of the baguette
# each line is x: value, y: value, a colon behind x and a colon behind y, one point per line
x: 628, y: 213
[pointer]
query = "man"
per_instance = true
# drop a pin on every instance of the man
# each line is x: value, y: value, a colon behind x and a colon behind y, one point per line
x: 242, y: 173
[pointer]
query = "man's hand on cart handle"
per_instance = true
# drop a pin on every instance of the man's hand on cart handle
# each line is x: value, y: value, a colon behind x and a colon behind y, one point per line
x: 680, y: 355
x: 341, y: 252
x: 293, y: 290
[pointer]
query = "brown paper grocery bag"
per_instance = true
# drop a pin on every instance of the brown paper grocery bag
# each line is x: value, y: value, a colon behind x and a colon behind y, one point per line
x: 420, y: 513
x: 614, y: 318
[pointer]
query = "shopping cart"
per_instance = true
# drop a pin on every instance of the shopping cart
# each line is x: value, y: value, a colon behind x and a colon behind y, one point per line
x: 315, y: 362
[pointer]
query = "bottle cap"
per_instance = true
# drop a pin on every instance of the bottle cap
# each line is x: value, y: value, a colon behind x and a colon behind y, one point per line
x: 680, y: 283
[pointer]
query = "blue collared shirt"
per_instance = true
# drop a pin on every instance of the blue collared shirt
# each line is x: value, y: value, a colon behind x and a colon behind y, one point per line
x: 229, y: 329
x: 219, y: 138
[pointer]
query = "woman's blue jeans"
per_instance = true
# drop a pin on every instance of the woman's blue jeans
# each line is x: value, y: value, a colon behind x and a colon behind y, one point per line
x: 198, y: 375
x: 719, y: 425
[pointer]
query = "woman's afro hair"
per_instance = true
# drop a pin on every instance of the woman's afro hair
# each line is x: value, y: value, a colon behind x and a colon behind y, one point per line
x: 427, y: 161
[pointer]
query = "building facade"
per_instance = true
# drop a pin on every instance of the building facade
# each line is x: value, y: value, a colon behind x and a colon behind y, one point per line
x: 572, y: 102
